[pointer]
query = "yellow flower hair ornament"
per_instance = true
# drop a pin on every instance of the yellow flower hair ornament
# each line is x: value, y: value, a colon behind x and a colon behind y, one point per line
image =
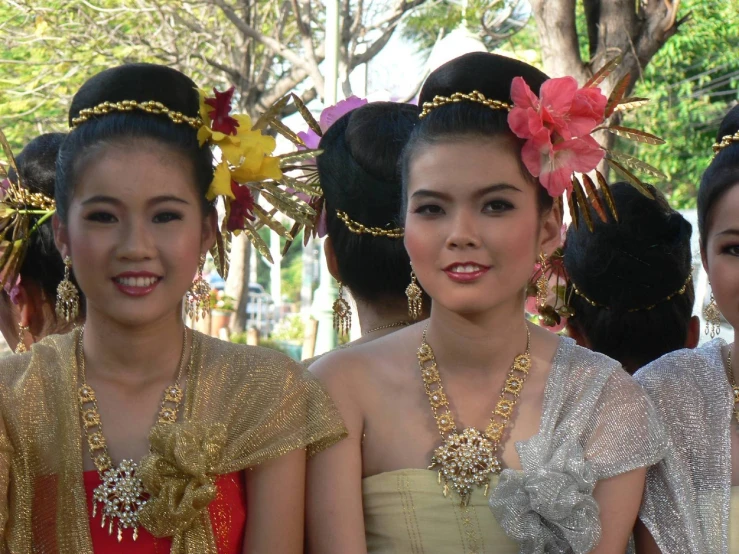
x: 249, y: 169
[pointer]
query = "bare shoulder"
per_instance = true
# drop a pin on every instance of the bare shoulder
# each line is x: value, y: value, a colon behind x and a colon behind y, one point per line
x: 367, y: 360
x: 354, y: 373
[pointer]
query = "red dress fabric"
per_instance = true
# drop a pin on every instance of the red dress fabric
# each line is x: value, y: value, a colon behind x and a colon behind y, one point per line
x: 227, y: 515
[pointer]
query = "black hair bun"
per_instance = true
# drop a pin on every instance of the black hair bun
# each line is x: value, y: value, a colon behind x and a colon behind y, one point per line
x: 634, y: 263
x: 37, y: 163
x: 141, y: 82
x: 359, y: 164
x: 491, y: 74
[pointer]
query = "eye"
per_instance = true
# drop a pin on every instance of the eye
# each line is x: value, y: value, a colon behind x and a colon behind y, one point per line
x: 497, y: 206
x: 429, y: 209
x: 101, y: 217
x: 166, y: 217
x: 731, y: 249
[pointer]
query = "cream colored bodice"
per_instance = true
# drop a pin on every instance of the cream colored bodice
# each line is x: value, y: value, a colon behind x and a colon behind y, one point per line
x: 405, y: 512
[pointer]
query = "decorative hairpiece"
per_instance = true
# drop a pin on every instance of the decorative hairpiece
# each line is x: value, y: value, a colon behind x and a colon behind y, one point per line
x: 559, y: 149
x: 151, y: 107
x: 311, y: 139
x: 247, y: 168
x: 22, y: 212
x: 359, y: 229
x: 667, y: 298
x: 725, y: 141
x: 474, y: 96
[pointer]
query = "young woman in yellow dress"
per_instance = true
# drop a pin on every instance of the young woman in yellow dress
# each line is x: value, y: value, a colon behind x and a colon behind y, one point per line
x: 134, y: 433
x: 476, y: 431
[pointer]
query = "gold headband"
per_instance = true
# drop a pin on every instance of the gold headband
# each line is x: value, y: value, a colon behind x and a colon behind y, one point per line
x: 667, y: 298
x: 359, y: 229
x: 149, y: 106
x: 724, y: 142
x: 474, y: 96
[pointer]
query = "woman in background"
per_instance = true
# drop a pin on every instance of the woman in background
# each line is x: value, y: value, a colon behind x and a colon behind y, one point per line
x: 360, y: 177
x: 27, y: 299
x: 691, y: 501
x: 631, y: 287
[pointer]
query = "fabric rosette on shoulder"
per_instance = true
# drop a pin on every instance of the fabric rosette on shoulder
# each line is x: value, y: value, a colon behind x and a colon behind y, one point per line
x: 180, y: 473
x: 548, y: 506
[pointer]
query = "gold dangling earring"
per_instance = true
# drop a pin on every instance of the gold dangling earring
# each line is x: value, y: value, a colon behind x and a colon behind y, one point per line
x: 198, y: 296
x: 415, y: 297
x: 712, y: 315
x: 21, y: 346
x: 342, y: 313
x: 67, y: 296
x: 542, y: 283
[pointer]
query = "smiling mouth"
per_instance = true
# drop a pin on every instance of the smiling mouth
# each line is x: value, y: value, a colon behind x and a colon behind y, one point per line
x: 139, y: 282
x: 465, y: 273
x: 466, y: 268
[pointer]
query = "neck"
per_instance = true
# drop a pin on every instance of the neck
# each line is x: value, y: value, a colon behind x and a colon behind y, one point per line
x: 477, y: 342
x: 133, y: 353
x: 380, y: 313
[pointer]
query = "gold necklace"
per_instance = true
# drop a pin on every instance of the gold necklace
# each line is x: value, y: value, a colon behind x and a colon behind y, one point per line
x: 734, y: 387
x: 389, y: 326
x: 466, y: 460
x: 121, y: 493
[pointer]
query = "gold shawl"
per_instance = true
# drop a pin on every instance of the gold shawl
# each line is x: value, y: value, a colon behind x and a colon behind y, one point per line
x: 243, y: 406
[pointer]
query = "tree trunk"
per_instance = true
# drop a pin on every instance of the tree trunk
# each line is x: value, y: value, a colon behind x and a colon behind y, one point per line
x: 237, y: 284
x: 635, y: 29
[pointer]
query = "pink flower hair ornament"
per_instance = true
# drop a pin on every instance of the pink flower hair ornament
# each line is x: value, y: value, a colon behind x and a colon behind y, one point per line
x: 557, y: 128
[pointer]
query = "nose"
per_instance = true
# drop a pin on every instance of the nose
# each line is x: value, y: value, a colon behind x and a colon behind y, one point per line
x: 136, y: 241
x: 463, y: 233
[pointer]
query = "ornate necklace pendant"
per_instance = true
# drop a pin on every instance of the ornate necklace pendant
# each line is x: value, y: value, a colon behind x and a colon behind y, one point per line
x: 121, y: 496
x: 465, y: 461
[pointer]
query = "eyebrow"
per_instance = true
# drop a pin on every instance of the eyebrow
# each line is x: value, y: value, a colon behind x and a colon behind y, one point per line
x: 728, y: 232
x: 498, y: 187
x: 102, y: 199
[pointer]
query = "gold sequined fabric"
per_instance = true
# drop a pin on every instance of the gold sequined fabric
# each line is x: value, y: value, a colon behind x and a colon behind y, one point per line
x: 687, y: 496
x: 243, y: 406
x: 596, y: 423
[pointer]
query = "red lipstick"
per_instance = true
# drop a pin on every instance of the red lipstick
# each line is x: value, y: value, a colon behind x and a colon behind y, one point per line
x: 136, y: 283
x: 465, y: 272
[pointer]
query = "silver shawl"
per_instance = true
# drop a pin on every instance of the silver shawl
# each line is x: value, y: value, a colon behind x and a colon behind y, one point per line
x: 596, y: 423
x: 686, y: 501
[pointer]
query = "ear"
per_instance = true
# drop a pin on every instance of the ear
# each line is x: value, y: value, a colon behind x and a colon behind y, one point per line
x: 550, y: 232
x: 24, y: 306
x: 331, y: 261
x: 61, y: 236
x: 209, y: 232
x: 694, y: 332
